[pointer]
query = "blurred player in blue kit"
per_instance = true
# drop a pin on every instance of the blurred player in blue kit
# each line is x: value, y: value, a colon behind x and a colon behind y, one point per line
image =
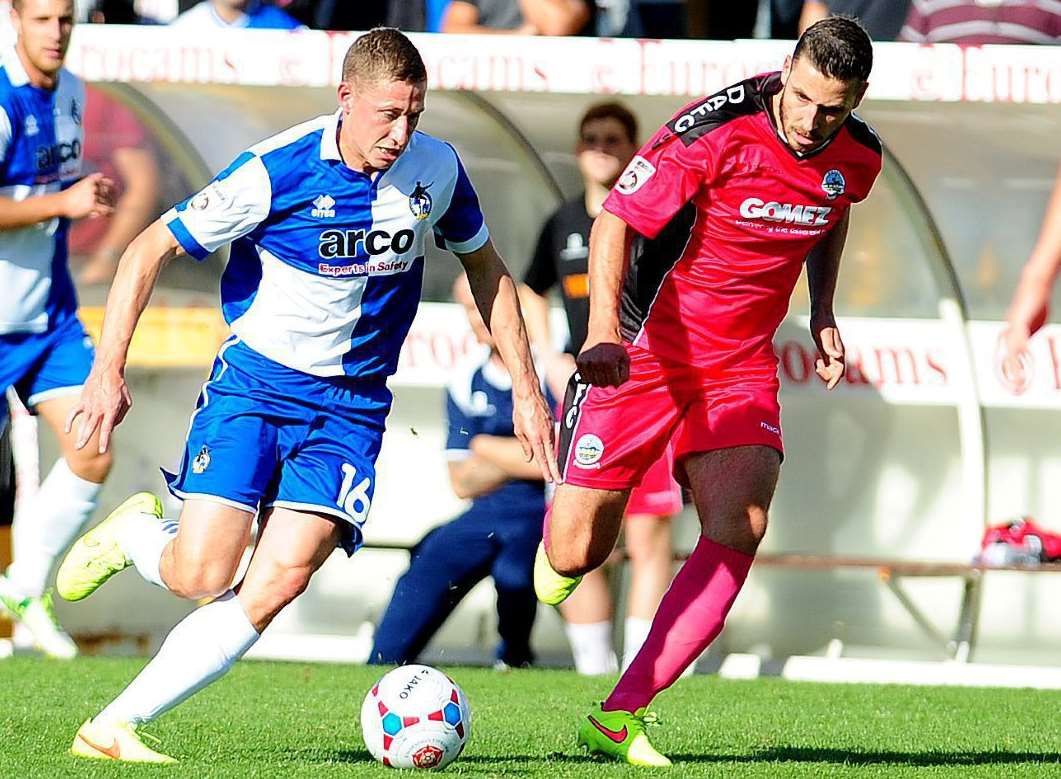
x: 499, y: 533
x: 328, y: 222
x: 45, y: 354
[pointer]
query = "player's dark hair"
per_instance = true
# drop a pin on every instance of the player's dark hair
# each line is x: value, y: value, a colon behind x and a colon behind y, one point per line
x: 616, y: 111
x: 383, y: 53
x: 838, y: 47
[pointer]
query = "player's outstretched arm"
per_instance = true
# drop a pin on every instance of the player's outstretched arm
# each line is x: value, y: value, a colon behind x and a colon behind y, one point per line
x: 1031, y: 300
x: 603, y: 360
x: 105, y: 398
x: 498, y: 302
x: 91, y: 196
x: 823, y: 266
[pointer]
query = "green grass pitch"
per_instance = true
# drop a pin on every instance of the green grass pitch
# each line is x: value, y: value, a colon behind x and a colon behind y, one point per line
x: 300, y: 720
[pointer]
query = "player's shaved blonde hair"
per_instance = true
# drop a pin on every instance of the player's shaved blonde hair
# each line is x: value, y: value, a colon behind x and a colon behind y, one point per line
x: 383, y: 54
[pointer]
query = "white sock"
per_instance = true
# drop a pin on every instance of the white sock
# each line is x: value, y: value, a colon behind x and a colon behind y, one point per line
x: 47, y: 525
x: 635, y: 631
x: 199, y: 650
x: 591, y: 646
x: 144, y: 543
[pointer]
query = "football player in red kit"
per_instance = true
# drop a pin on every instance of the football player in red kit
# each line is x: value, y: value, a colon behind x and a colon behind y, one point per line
x: 680, y: 348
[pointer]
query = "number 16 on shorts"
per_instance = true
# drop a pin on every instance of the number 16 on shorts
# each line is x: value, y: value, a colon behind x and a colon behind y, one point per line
x: 354, y: 496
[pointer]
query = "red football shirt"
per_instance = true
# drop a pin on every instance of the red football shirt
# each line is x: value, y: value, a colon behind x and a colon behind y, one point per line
x: 715, y: 298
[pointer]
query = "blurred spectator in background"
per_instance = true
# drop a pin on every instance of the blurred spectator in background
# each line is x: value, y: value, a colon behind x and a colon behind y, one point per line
x: 116, y: 145
x: 496, y: 536
x: 607, y: 142
x: 417, y: 15
x: 722, y: 20
x: 882, y: 18
x: 521, y: 17
x: 782, y: 19
x: 978, y: 22
x: 214, y: 14
x: 1031, y: 302
x: 117, y: 12
x: 341, y: 14
x: 650, y: 18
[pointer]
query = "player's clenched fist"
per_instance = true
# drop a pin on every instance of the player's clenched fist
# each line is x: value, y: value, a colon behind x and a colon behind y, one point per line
x: 603, y: 364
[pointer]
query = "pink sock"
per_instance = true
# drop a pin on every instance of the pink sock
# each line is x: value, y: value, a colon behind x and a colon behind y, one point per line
x: 689, y: 618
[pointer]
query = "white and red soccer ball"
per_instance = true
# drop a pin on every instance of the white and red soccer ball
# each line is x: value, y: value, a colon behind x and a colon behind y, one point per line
x: 415, y: 717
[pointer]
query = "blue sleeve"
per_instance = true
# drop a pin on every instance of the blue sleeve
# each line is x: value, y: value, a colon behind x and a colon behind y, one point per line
x: 462, y: 227
x: 460, y: 429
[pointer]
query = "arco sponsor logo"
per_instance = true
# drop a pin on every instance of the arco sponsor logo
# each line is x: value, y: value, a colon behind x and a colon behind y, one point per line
x: 788, y: 213
x: 351, y: 243
x: 57, y: 154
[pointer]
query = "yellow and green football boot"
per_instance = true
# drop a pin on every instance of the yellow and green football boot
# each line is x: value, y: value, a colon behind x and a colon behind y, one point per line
x: 621, y: 736
x: 551, y: 587
x: 97, y: 556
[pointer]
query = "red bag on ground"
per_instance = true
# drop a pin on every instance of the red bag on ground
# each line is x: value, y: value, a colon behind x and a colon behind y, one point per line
x: 1019, y: 542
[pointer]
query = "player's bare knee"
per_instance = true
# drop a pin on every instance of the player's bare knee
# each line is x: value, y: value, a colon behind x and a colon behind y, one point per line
x: 202, y: 580
x: 273, y: 592
x: 90, y: 465
x: 577, y: 562
x: 292, y: 582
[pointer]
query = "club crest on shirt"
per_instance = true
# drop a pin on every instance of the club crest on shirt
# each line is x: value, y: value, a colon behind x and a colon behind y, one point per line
x: 32, y: 128
x: 588, y: 450
x: 75, y: 111
x: 420, y: 202
x: 202, y: 460
x: 636, y: 174
x: 834, y: 184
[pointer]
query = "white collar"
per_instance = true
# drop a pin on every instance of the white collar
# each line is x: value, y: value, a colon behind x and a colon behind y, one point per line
x: 16, y: 73
x: 329, y: 138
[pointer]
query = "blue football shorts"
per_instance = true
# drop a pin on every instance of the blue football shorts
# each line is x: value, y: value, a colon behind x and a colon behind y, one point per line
x: 265, y: 435
x: 44, y: 365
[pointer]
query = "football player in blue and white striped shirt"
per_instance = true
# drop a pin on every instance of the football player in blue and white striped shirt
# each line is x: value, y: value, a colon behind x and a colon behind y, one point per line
x: 328, y: 223
x: 45, y: 354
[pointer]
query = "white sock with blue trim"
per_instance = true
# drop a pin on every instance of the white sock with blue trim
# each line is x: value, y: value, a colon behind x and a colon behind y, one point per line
x: 198, y: 651
x: 47, y: 525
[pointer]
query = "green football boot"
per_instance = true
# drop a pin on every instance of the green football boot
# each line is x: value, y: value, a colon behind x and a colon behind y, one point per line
x: 35, y: 623
x: 97, y: 556
x: 551, y: 587
x: 621, y: 736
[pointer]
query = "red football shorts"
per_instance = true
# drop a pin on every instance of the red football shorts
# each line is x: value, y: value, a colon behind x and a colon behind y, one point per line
x: 658, y: 494
x: 611, y: 436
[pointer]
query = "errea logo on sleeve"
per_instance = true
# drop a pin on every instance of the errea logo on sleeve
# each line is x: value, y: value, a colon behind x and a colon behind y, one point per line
x: 636, y: 174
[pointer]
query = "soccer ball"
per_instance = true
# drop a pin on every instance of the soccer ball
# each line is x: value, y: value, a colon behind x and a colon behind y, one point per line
x: 415, y: 717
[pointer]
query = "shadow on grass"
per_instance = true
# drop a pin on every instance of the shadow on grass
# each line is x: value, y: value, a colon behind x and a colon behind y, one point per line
x: 775, y: 755
x: 846, y: 757
x: 363, y: 756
